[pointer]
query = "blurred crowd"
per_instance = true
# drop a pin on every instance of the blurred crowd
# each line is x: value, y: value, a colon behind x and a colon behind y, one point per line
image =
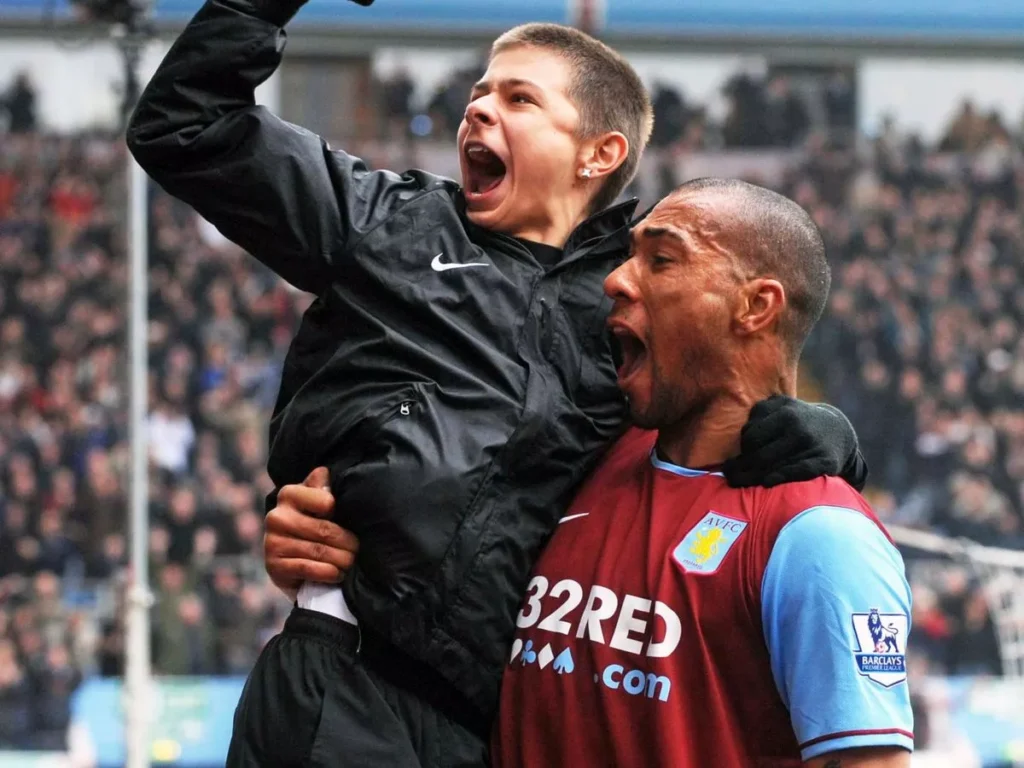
x: 776, y: 109
x: 219, y: 326
x: 920, y: 346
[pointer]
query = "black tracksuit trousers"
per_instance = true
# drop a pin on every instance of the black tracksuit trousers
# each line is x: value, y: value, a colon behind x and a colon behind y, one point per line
x: 322, y: 695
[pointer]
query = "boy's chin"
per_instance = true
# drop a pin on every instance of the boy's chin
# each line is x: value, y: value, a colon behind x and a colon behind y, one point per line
x: 489, y: 218
x: 483, y: 218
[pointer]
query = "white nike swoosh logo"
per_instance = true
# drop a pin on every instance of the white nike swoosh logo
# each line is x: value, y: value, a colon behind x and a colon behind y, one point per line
x: 440, y: 266
x: 567, y: 518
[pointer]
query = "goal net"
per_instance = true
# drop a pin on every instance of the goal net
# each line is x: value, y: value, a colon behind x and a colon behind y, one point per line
x: 1000, y: 572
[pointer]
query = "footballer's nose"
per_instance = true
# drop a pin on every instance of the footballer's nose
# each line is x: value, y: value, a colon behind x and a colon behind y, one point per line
x: 621, y: 284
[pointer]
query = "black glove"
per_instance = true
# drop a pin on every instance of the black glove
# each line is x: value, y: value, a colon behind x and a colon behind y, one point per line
x: 363, y: 2
x: 787, y: 441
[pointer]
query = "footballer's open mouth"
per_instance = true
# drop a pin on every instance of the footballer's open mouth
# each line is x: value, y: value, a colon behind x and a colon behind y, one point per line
x: 484, y: 170
x: 632, y: 350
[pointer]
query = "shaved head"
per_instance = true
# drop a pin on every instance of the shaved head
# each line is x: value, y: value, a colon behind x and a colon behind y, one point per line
x: 772, y: 236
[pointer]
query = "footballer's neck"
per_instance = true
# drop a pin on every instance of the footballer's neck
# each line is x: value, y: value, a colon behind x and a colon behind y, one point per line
x: 704, y: 438
x: 711, y: 435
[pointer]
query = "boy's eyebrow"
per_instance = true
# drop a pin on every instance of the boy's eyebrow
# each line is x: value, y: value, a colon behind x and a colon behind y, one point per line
x: 485, y: 86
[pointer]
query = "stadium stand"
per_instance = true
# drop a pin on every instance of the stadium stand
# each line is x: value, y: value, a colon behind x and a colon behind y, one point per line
x: 926, y: 309
x: 219, y: 328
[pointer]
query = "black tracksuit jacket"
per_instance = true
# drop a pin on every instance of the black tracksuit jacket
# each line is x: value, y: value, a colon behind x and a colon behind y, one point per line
x: 457, y: 407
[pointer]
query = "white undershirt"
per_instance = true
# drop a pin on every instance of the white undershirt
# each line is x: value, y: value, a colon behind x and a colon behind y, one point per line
x: 325, y: 598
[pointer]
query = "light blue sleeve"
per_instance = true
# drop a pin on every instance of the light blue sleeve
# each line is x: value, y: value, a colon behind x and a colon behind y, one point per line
x: 835, y: 605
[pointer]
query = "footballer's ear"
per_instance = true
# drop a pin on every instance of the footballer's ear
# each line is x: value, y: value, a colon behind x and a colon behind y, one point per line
x: 762, y: 302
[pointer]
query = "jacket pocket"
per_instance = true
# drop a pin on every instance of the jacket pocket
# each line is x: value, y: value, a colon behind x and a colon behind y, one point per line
x: 408, y: 401
x: 409, y: 490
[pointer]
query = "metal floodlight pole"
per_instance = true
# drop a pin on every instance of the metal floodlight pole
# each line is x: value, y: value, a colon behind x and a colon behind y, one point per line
x: 137, y: 662
x: 138, y: 676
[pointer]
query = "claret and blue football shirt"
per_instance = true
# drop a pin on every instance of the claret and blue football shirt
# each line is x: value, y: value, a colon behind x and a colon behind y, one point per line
x: 673, y: 620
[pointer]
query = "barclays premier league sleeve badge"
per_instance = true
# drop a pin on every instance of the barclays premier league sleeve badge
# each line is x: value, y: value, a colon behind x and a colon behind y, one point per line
x: 881, y: 646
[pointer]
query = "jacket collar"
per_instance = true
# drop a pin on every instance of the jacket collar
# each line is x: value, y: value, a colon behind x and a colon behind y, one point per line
x: 611, y: 223
x: 604, y: 233
x: 603, y: 224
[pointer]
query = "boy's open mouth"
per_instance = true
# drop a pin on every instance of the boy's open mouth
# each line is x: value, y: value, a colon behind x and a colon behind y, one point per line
x: 484, y: 169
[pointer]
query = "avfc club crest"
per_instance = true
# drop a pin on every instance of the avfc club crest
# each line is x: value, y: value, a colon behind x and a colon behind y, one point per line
x: 704, y: 548
x: 881, y: 646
